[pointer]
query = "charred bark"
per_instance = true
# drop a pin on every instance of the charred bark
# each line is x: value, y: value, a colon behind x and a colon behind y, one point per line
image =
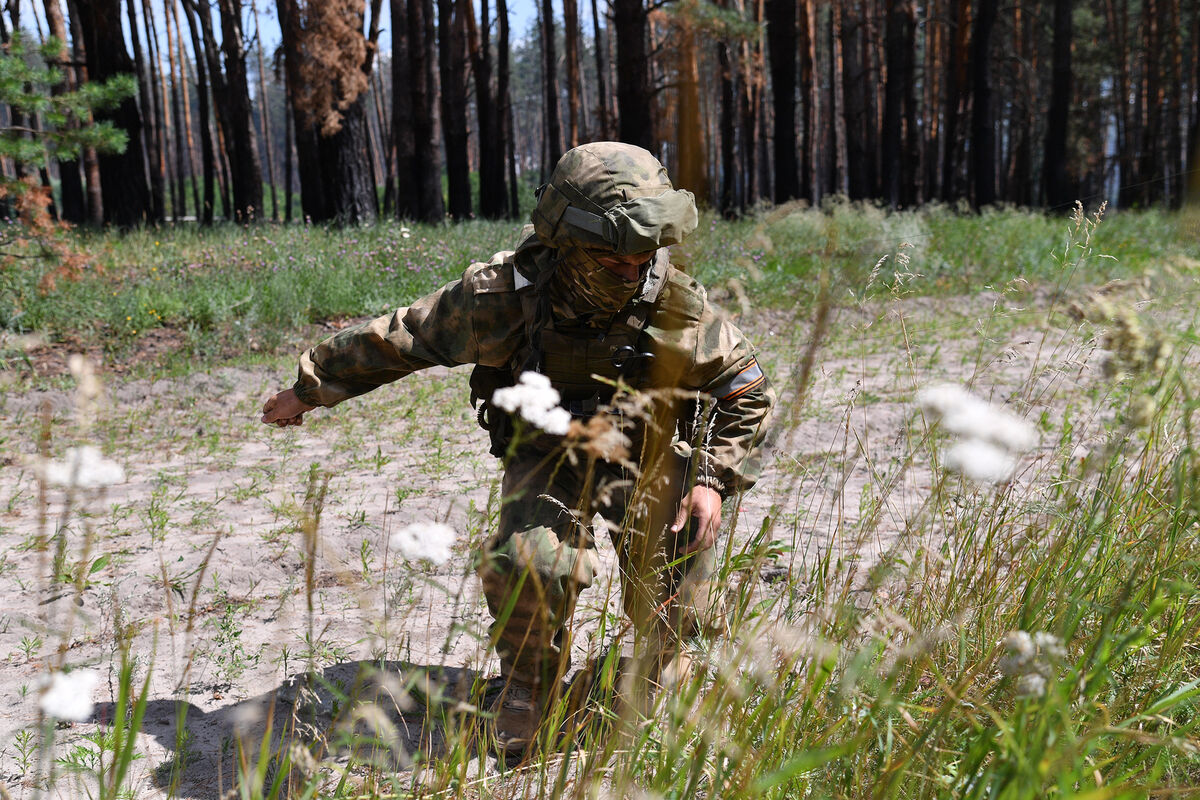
x: 124, y: 185
x: 1054, y: 164
x: 452, y: 66
x: 781, y: 50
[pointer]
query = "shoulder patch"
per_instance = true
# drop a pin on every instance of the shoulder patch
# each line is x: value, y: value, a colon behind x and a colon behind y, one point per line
x: 494, y: 277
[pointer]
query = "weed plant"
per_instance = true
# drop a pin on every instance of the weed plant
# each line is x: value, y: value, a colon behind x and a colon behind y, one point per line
x: 1034, y: 637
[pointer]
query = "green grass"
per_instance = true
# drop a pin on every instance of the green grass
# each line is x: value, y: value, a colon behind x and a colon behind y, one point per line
x: 249, y: 289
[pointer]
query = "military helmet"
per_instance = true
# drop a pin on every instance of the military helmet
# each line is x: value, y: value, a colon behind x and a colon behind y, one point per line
x: 613, y: 197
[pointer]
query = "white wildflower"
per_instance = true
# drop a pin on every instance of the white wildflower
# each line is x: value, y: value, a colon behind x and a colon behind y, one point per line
x: 963, y: 414
x: 83, y: 467
x: 981, y: 461
x: 68, y: 695
x: 424, y: 541
x: 1049, y: 645
x: 1020, y: 651
x: 537, y: 402
x: 1031, y: 685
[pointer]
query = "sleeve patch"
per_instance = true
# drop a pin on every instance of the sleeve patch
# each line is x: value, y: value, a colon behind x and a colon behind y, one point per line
x: 749, y: 378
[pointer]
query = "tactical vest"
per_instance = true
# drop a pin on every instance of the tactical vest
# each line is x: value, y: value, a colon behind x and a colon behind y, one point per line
x: 584, y: 364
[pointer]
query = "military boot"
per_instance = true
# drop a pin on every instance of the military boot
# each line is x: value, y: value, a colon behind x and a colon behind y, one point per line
x: 517, y: 716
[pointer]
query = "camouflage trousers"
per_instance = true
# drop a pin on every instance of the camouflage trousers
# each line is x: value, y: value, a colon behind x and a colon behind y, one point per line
x: 543, y: 555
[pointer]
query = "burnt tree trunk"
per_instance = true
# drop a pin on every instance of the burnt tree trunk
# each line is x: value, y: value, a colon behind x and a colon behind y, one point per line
x: 553, y: 148
x: 983, y: 130
x: 452, y: 68
x: 207, y: 148
x: 855, y: 86
x: 74, y: 206
x: 403, y: 122
x: 264, y: 114
x: 123, y: 180
x: 1054, y: 164
x: 727, y: 193
x: 492, y: 199
x: 145, y: 78
x: 781, y: 50
x: 241, y: 142
x: 598, y: 39
x: 574, y: 84
x: 804, y: 49
x: 893, y: 107
x: 348, y: 179
x: 160, y: 165
x: 635, y: 97
x: 428, y: 177
x: 956, y: 93
x: 504, y: 99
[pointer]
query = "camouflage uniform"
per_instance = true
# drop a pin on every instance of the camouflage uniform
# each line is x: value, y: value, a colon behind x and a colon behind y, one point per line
x: 508, y: 315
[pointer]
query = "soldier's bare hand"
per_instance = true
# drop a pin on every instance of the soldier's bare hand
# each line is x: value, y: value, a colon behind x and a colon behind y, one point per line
x: 285, y: 409
x: 703, y: 505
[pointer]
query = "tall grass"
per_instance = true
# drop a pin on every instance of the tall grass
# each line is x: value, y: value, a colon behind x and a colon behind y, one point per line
x: 261, y: 283
x: 1036, y: 638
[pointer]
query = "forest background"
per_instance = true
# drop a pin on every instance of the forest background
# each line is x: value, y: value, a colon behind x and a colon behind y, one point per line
x: 419, y: 109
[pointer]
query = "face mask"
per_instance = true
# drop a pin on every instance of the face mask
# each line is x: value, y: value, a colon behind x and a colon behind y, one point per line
x: 582, y: 284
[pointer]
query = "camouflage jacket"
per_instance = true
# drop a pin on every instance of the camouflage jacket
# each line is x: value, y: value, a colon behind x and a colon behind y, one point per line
x: 480, y: 319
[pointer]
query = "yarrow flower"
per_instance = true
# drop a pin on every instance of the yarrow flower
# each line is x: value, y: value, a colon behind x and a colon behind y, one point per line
x: 980, y: 461
x: 537, y: 402
x: 83, y: 468
x: 68, y: 695
x: 424, y: 541
x: 1030, y: 659
x: 991, y: 438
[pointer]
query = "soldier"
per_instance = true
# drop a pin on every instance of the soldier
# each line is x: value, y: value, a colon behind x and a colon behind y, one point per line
x: 666, y: 400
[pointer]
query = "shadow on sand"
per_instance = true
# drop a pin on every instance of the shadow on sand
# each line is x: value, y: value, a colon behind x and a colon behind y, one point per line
x: 395, y: 713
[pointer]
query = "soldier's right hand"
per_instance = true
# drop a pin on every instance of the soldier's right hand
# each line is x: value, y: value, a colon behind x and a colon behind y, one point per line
x: 284, y: 409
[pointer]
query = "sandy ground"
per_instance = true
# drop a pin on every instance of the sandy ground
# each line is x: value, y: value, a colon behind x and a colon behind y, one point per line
x: 206, y: 559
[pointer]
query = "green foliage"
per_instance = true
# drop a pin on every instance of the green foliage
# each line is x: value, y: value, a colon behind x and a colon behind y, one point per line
x: 27, y: 88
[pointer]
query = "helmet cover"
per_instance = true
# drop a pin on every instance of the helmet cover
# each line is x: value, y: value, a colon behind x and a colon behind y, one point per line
x: 612, y: 197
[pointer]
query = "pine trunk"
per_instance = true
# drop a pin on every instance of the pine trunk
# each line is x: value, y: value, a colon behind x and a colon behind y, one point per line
x: 403, y: 122
x: 158, y: 88
x: 574, y: 84
x: 452, y: 68
x: 635, y: 99
x: 349, y: 188
x: 504, y: 101
x: 1175, y: 166
x: 983, y: 131
x: 207, y: 149
x: 804, y: 49
x: 781, y: 49
x: 74, y: 206
x: 264, y: 114
x: 956, y: 95
x: 855, y: 85
x: 241, y: 141
x: 598, y: 43
x: 123, y: 180
x: 422, y: 44
x: 553, y: 131
x: 1054, y: 165
x: 146, y: 92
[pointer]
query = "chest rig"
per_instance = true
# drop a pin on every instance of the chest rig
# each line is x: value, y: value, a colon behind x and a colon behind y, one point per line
x: 584, y: 363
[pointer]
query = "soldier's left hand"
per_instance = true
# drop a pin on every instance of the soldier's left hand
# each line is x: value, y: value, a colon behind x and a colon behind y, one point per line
x: 703, y: 505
